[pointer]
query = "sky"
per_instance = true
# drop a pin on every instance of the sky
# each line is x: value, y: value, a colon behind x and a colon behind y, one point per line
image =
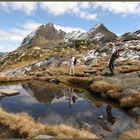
x: 18, y: 19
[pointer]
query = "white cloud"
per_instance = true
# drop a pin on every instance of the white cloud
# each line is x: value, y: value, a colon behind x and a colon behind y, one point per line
x: 2, y: 47
x: 31, y: 25
x: 80, y: 9
x: 8, y: 35
x: 27, y: 7
x: 118, y: 7
x: 87, y: 16
x: 58, y: 8
x: 85, y: 10
x: 7, y: 47
x: 4, y: 6
x: 84, y: 5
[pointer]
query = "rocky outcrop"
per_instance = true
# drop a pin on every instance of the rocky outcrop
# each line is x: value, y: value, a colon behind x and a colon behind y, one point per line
x: 131, y: 36
x: 73, y: 35
x: 100, y: 34
x: 124, y: 88
x: 8, y: 92
x: 44, y: 36
x: 43, y: 137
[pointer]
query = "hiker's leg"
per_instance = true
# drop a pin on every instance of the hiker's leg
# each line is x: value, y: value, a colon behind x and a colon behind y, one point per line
x: 110, y: 65
x: 70, y: 70
x: 113, y: 61
x: 73, y: 70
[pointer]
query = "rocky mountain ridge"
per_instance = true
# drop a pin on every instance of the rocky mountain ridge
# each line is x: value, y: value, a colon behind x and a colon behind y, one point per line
x: 48, y: 36
x: 44, y: 36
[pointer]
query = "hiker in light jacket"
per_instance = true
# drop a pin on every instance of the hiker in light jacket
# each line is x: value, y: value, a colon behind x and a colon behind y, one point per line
x: 113, y: 57
x: 71, y: 66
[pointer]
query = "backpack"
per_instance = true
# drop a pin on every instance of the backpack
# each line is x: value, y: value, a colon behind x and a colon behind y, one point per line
x: 117, y: 53
x: 75, y: 61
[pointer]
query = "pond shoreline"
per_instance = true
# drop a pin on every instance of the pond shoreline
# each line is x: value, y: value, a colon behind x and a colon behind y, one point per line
x: 72, y: 81
x: 82, y: 82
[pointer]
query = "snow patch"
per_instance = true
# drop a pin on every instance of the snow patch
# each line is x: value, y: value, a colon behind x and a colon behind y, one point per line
x: 98, y: 36
x: 73, y: 35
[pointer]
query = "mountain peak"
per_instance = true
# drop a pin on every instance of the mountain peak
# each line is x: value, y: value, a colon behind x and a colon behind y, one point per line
x: 50, y: 24
x: 45, y: 36
x: 99, y: 33
x: 99, y: 25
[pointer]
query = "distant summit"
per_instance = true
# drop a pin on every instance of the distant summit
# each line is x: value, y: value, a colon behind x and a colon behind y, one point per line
x: 44, y: 36
x: 100, y: 34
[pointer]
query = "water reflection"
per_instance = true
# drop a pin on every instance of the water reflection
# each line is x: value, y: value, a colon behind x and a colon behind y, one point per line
x: 72, y: 97
x: 110, y: 117
x: 56, y: 104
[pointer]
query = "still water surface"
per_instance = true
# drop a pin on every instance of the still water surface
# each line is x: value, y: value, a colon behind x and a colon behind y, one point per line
x: 56, y: 104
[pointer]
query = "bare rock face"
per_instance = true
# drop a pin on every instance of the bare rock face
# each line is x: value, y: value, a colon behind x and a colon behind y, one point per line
x: 100, y: 34
x: 44, y: 36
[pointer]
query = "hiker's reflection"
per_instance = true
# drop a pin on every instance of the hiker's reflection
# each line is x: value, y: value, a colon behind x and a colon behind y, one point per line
x: 110, y: 117
x: 72, y: 98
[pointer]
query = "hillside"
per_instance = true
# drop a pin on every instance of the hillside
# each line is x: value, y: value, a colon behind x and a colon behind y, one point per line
x: 48, y: 46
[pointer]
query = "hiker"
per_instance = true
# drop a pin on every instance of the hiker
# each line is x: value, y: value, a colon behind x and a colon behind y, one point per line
x: 114, y: 55
x: 72, y: 62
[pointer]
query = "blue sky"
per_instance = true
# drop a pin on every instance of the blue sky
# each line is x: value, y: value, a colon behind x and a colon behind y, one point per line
x: 18, y: 19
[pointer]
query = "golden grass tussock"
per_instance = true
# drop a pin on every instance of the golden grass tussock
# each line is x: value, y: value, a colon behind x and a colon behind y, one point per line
x: 100, y: 86
x: 104, y: 86
x: 131, y: 134
x: 97, y: 78
x: 15, y: 78
x: 81, y: 81
x: 21, y: 125
x: 43, y: 78
x: 114, y: 94
x: 110, y: 90
x: 128, y: 68
x: 132, y: 100
x: 64, y: 70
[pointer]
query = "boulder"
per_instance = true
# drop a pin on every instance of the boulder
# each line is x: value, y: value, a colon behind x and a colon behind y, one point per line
x: 43, y: 137
x: 135, y: 111
x: 8, y: 92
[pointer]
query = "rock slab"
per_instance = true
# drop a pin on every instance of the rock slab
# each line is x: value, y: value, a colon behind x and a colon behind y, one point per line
x: 8, y: 92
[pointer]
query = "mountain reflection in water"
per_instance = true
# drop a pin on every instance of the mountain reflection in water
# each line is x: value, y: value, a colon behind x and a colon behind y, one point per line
x: 56, y: 104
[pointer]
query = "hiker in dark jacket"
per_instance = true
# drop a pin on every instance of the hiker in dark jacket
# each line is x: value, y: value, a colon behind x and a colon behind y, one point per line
x: 114, y: 55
